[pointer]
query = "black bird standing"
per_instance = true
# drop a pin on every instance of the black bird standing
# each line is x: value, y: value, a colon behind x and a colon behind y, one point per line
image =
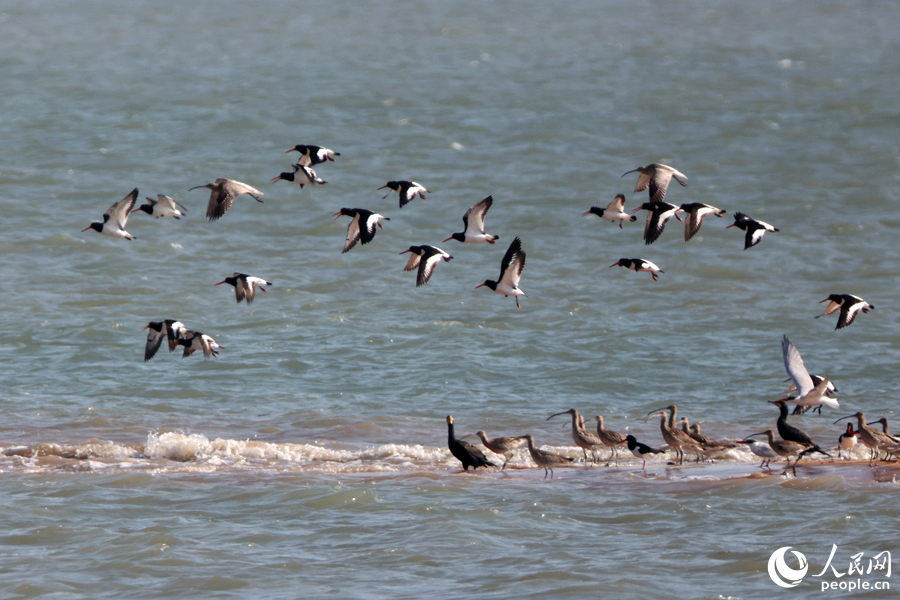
x: 791, y: 433
x: 466, y: 453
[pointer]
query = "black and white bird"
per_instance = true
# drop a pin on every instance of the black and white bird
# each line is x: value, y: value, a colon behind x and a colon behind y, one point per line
x: 223, y: 193
x: 638, y: 265
x: 657, y: 215
x: 424, y: 258
x: 245, y: 286
x: 163, y: 206
x: 808, y: 394
x: 615, y: 211
x: 639, y: 450
x: 194, y: 341
x: 694, y: 215
x: 406, y: 189
x: 847, y: 440
x: 301, y: 175
x: 311, y: 155
x: 115, y: 217
x: 473, y: 225
x: 362, y: 226
x: 157, y: 331
x: 755, y: 229
x: 510, y: 273
x: 850, y: 306
x: 761, y: 449
x: 656, y: 177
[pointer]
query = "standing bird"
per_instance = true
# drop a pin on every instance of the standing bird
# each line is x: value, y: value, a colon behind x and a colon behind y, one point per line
x: 847, y: 440
x: 639, y: 450
x: 762, y: 450
x: 115, y: 217
x: 406, y: 189
x: 502, y: 446
x: 610, y: 439
x: 791, y: 433
x: 657, y: 178
x: 755, y: 229
x: 245, y: 286
x: 510, y: 273
x: 222, y: 195
x: 638, y: 265
x: 657, y: 215
x: 466, y: 453
x: 694, y: 215
x: 163, y: 206
x: 709, y: 446
x: 808, y: 394
x: 785, y: 448
x: 159, y: 330
x: 311, y: 155
x: 850, y: 306
x: 583, y: 439
x: 615, y: 211
x: 194, y: 341
x: 544, y: 459
x: 675, y: 438
x: 473, y: 225
x: 362, y: 226
x: 301, y: 175
x: 425, y: 258
x: 872, y: 438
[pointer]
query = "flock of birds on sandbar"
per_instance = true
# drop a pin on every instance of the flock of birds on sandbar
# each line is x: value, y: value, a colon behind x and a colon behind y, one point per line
x: 812, y: 391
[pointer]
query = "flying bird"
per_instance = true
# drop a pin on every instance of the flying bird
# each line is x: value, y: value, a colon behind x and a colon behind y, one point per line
x: 425, y: 258
x: 115, y: 217
x: 194, y: 341
x: 656, y: 177
x: 808, y: 393
x: 362, y: 226
x: 159, y: 330
x: 163, y: 206
x: 510, y: 273
x: 850, y: 306
x: 657, y: 215
x: 311, y: 155
x: 222, y: 195
x: 695, y: 212
x: 301, y: 175
x: 638, y: 265
x: 615, y: 211
x: 406, y: 189
x: 245, y: 286
x: 473, y: 225
x: 755, y: 229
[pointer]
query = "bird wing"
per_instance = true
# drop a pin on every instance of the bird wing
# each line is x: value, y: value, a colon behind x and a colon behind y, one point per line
x: 617, y: 205
x: 353, y: 233
x: 118, y: 212
x: 174, y: 331
x: 695, y: 218
x: 430, y: 258
x: 643, y: 183
x: 754, y: 235
x: 405, y: 196
x: 849, y: 310
x: 512, y: 265
x: 475, y: 215
x: 154, y: 340
x: 793, y: 364
x: 656, y: 222
x: 413, y: 261
x: 659, y: 183
x: 368, y: 225
x: 311, y: 175
x: 240, y: 288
